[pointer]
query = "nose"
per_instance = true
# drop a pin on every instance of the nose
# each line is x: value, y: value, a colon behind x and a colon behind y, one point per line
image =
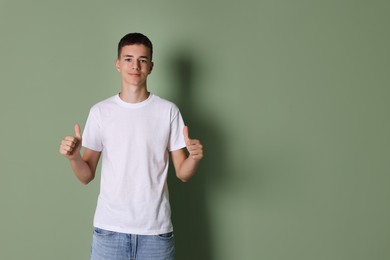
x: 136, y: 65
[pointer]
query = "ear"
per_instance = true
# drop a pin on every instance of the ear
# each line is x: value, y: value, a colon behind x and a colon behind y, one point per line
x: 117, y: 65
x: 151, y: 67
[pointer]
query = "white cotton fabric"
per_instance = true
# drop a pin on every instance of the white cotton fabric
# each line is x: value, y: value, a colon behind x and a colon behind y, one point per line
x: 134, y: 140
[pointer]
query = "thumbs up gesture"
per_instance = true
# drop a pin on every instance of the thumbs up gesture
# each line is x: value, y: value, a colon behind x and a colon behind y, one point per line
x: 71, y: 145
x: 194, y: 147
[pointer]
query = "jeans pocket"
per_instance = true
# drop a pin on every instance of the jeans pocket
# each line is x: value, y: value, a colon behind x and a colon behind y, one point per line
x: 166, y: 236
x: 103, y: 232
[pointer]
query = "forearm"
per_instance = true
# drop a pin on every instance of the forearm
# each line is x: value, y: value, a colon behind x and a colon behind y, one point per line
x: 187, y: 169
x: 186, y: 165
x: 82, y: 170
x: 83, y: 167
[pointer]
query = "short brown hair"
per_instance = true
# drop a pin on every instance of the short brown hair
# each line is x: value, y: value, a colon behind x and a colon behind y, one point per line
x: 135, y: 38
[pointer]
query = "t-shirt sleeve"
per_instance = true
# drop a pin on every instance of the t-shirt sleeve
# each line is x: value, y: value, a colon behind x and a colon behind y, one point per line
x: 92, y: 138
x: 176, y: 140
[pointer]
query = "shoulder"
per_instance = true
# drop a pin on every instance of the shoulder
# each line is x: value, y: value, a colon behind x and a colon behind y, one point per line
x: 164, y: 103
x: 104, y: 104
x: 166, y: 108
x: 102, y: 108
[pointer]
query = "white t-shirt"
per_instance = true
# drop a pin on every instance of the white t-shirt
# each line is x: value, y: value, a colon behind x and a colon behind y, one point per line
x: 134, y: 140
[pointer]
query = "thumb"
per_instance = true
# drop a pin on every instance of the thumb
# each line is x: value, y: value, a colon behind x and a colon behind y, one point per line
x: 77, y: 131
x: 185, y: 133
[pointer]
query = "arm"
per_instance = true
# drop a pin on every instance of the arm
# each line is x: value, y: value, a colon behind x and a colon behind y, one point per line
x: 83, y: 167
x: 185, y: 166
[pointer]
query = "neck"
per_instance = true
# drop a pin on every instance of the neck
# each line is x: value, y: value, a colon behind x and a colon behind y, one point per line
x: 134, y: 95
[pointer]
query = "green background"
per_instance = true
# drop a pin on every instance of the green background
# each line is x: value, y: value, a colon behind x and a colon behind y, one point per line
x: 290, y: 98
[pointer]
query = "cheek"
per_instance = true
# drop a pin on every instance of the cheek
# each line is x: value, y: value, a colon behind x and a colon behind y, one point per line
x: 146, y: 68
x: 121, y: 67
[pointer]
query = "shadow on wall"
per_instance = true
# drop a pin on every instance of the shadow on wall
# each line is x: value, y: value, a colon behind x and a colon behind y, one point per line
x: 189, y: 201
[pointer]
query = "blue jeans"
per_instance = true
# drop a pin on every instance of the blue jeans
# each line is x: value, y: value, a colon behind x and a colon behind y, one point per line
x: 109, y: 245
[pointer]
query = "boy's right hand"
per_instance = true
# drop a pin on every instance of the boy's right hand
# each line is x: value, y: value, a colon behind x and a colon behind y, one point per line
x: 71, y: 145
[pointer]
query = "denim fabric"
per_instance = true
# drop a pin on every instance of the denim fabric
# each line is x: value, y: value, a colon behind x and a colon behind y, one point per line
x: 109, y: 245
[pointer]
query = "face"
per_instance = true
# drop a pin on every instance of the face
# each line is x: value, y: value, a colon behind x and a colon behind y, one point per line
x: 134, y: 64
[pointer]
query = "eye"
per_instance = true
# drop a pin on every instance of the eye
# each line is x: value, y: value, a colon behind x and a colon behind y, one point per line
x: 128, y: 59
x: 143, y: 61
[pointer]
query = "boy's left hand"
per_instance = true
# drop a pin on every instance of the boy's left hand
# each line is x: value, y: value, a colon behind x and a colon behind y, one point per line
x: 194, y: 147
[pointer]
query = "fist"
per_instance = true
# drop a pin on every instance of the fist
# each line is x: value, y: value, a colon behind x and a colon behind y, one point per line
x: 71, y: 145
x: 194, y: 147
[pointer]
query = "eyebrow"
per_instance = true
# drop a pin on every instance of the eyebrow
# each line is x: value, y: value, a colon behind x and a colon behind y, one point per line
x: 131, y: 56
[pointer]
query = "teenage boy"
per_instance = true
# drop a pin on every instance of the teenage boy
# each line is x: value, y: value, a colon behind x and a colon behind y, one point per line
x: 134, y: 132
